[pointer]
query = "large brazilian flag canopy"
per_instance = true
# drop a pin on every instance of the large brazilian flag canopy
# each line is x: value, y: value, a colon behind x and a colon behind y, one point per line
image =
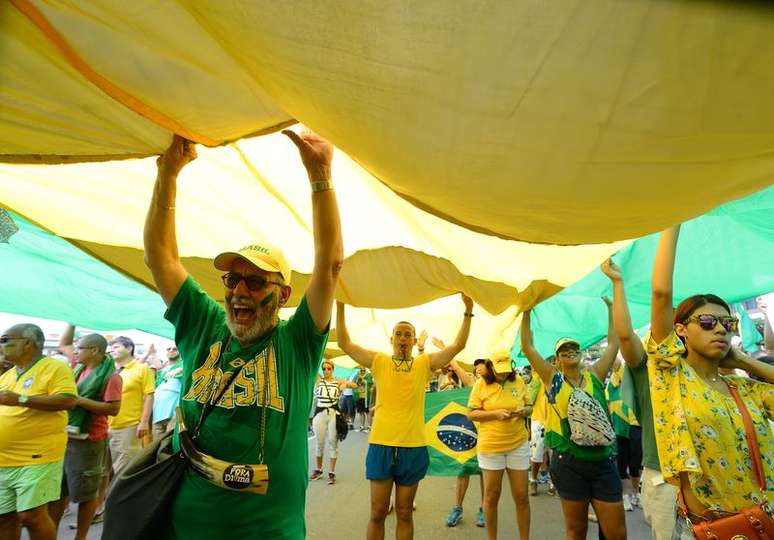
x: 505, y: 163
x: 45, y: 276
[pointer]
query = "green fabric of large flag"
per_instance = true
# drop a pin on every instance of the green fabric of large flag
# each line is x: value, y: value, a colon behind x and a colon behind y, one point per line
x: 748, y: 331
x: 45, y: 276
x: 451, y: 437
x: 728, y: 252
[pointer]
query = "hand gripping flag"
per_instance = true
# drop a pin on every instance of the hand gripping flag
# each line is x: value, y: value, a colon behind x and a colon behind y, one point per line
x: 451, y: 437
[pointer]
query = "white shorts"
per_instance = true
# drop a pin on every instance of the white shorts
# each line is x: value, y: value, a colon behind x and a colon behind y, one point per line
x: 516, y: 460
x: 537, y: 442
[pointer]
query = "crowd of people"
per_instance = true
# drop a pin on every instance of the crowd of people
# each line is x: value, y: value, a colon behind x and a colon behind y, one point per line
x: 678, y: 423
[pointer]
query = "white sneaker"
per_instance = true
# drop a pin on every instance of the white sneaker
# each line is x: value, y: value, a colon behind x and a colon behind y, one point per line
x: 627, y: 503
x: 637, y: 500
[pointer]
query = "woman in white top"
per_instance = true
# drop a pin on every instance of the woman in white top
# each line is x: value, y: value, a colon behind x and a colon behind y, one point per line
x: 327, y: 392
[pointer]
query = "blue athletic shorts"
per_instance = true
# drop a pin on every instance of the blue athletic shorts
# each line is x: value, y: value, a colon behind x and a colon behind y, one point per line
x: 406, y: 466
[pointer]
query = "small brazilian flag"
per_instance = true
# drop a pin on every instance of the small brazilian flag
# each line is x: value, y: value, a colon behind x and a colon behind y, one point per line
x: 451, y: 437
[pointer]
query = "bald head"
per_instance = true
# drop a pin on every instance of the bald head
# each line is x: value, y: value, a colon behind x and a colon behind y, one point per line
x: 95, y: 341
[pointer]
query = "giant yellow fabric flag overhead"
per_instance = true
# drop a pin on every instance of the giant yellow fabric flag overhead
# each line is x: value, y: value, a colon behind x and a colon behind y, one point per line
x: 564, y: 121
x: 256, y: 190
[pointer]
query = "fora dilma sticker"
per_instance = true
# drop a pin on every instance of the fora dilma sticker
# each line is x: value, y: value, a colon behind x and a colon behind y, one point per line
x: 26, y: 384
x: 238, y: 476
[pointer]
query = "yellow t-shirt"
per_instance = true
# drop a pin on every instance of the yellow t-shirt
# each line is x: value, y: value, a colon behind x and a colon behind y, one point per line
x: 701, y: 432
x: 496, y: 436
x: 29, y: 436
x: 540, y: 407
x: 399, y: 416
x: 139, y: 382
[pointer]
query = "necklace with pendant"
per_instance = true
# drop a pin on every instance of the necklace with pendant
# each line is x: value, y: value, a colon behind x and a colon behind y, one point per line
x: 397, y: 362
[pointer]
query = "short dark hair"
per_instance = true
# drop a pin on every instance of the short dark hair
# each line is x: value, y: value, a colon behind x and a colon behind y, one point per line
x: 125, y: 341
x: 413, y: 328
x: 686, y: 308
x: 478, y: 361
x: 97, y: 341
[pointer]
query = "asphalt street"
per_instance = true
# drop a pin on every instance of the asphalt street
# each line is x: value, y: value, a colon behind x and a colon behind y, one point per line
x: 340, y: 511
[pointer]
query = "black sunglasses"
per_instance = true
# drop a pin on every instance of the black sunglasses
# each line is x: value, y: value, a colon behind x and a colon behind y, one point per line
x: 253, y: 283
x: 708, y: 322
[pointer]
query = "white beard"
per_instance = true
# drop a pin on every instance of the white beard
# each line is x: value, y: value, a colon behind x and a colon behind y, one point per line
x: 265, y: 319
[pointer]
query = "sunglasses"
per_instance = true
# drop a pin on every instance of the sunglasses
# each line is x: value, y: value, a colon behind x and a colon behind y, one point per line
x: 708, y: 322
x: 327, y: 368
x: 253, y: 283
x: 569, y: 354
x: 6, y: 339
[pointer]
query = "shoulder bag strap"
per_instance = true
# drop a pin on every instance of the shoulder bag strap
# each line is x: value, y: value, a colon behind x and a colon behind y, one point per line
x: 208, y: 407
x: 752, y: 440
x: 328, y: 394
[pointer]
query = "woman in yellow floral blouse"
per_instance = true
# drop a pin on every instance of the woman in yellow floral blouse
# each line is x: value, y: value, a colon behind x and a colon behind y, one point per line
x: 699, y: 431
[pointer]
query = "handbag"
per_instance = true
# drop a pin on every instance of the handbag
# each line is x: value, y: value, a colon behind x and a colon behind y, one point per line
x: 753, y: 522
x: 342, y: 428
x: 138, y: 503
x: 588, y: 421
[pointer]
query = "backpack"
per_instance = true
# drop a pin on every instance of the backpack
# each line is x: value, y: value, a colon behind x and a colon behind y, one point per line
x: 589, y: 423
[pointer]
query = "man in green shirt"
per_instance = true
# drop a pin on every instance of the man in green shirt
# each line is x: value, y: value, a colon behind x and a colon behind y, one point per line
x: 659, y: 499
x: 365, y: 384
x: 263, y: 414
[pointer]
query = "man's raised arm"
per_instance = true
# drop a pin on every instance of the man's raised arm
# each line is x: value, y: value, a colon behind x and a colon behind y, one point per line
x: 160, y: 237
x: 317, y: 153
x: 444, y: 356
x: 362, y: 356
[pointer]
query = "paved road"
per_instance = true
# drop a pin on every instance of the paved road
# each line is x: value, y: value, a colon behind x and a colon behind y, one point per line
x: 340, y: 511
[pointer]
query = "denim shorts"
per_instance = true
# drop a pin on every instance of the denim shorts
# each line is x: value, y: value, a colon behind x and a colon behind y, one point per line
x: 580, y: 480
x: 406, y: 466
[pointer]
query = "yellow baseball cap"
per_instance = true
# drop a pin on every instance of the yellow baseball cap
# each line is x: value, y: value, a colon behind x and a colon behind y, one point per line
x: 564, y: 341
x: 502, y: 362
x: 265, y: 257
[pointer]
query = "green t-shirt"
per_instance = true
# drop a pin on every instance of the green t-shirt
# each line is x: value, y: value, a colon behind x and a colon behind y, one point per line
x: 231, y: 432
x: 161, y: 375
x: 643, y: 410
x: 365, y: 385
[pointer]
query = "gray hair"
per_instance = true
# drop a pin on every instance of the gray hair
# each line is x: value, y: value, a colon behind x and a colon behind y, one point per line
x: 33, y: 333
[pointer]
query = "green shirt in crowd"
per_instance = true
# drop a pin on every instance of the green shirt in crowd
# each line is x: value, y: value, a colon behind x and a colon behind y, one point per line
x: 161, y: 375
x: 365, y: 385
x: 643, y: 410
x: 232, y: 430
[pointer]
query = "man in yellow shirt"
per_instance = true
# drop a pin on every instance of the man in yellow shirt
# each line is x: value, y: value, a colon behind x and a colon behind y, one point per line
x: 132, y: 424
x: 397, y: 451
x: 34, y: 396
